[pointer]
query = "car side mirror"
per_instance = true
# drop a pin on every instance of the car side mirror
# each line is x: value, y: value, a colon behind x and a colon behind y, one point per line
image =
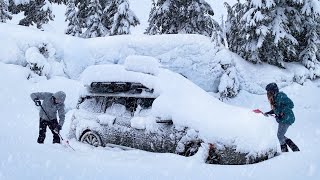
x: 164, y: 121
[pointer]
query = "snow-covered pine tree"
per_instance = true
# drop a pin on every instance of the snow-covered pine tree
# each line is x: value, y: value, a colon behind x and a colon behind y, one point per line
x: 95, y: 28
x: 181, y: 16
x: 37, y: 12
x: 83, y: 12
x: 309, y: 38
x: 4, y: 13
x: 109, y: 11
x: 269, y: 29
x: 59, y: 1
x: 229, y: 85
x: 160, y: 18
x: 123, y: 19
x: 73, y: 28
x: 234, y: 37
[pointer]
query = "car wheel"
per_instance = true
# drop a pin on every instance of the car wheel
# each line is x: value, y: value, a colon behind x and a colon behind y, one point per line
x: 91, y: 138
x: 191, y: 148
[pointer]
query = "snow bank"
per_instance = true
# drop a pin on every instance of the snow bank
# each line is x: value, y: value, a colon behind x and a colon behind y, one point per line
x: 144, y: 64
x: 192, y: 56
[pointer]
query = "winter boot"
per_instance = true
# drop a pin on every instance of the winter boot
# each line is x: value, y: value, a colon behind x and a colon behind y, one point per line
x: 292, y: 145
x: 284, y: 148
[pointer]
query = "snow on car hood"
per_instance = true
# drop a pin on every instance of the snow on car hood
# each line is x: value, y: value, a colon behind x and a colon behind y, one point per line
x: 189, y: 105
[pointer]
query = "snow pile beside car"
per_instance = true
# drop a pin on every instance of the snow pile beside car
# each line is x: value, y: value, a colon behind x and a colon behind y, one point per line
x: 188, y: 105
x: 144, y: 64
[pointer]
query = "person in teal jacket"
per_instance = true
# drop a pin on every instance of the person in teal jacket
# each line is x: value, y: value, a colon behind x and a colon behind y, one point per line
x: 281, y: 106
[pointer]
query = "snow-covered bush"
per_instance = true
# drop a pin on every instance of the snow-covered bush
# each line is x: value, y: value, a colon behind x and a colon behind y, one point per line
x: 229, y: 84
x: 37, y: 63
x: 42, y: 61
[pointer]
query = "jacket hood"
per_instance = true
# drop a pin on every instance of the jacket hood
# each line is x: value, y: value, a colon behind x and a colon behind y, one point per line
x: 60, y: 96
x: 272, y: 87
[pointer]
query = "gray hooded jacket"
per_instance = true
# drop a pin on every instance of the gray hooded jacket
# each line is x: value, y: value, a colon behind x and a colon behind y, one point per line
x: 50, y: 106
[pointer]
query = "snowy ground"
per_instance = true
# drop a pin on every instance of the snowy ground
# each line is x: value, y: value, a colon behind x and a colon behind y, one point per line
x: 22, y: 158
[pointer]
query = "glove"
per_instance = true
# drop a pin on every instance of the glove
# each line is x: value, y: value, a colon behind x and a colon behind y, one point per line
x: 37, y: 102
x: 58, y: 128
x: 281, y: 115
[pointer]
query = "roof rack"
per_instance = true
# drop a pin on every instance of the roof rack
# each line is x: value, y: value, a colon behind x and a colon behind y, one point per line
x: 118, y: 87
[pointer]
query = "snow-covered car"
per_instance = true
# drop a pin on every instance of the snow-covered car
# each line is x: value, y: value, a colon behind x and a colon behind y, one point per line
x: 143, y: 106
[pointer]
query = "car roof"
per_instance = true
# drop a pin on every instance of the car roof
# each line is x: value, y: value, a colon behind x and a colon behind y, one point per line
x: 116, y: 74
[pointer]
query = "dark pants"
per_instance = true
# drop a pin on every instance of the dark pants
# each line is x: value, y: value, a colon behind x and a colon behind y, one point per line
x: 282, y: 129
x: 43, y: 128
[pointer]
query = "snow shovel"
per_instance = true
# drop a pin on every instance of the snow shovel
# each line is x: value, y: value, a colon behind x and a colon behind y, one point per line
x: 259, y: 111
x: 65, y: 141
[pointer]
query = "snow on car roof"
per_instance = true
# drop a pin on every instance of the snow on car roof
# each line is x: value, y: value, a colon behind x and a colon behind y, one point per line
x: 144, y: 64
x: 115, y: 73
x: 189, y: 105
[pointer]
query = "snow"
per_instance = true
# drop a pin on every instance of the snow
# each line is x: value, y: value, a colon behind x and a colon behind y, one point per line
x: 19, y: 132
x: 138, y: 122
x: 19, y: 116
x: 193, y: 56
x: 105, y: 73
x: 34, y: 58
x: 106, y: 119
x: 144, y: 64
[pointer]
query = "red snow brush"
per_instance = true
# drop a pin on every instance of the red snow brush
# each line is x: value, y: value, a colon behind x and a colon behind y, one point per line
x: 257, y: 111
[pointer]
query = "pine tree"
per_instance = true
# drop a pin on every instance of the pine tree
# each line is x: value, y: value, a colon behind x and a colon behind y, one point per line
x: 4, y: 13
x: 181, y: 16
x: 71, y: 15
x: 309, y: 38
x: 268, y: 30
x: 123, y: 19
x: 109, y: 11
x: 160, y: 18
x: 233, y: 25
x: 82, y: 6
x: 95, y: 28
x: 37, y: 12
x: 59, y: 1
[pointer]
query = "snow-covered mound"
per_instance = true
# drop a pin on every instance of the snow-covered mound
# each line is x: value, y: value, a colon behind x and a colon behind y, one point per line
x: 193, y: 56
x: 190, y: 106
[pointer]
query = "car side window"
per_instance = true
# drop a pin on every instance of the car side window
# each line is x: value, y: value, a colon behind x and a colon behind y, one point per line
x: 95, y: 104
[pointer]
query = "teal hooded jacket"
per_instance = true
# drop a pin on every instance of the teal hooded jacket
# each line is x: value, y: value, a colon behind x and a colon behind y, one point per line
x: 283, y: 108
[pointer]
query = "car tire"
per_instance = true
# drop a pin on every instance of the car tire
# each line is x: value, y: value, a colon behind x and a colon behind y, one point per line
x: 191, y: 148
x: 91, y: 138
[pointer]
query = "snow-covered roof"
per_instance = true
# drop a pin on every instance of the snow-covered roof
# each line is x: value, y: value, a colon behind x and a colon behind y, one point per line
x: 115, y: 73
x: 189, y: 105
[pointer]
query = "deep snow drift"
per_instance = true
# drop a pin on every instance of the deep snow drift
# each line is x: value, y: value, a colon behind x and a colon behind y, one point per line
x: 19, y: 130
x: 193, y: 56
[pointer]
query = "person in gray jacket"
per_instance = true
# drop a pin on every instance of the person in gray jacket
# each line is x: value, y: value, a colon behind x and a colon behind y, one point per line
x: 51, y: 104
